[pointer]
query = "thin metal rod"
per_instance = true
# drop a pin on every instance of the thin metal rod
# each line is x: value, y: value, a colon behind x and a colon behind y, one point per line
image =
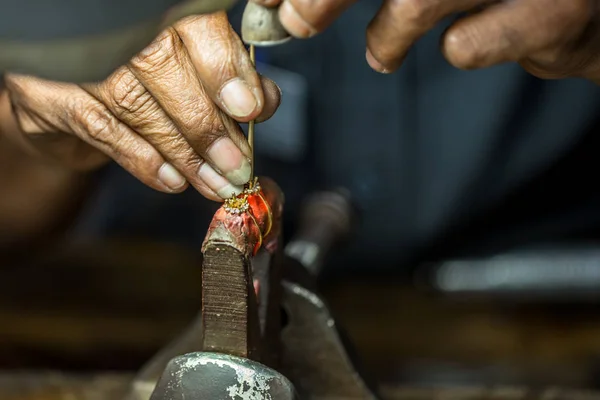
x: 251, y: 124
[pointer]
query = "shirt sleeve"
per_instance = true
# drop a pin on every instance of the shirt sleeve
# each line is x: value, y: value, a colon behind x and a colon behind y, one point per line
x: 42, y: 20
x: 75, y: 40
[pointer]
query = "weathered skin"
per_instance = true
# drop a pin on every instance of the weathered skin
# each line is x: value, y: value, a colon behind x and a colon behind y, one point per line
x: 249, y: 231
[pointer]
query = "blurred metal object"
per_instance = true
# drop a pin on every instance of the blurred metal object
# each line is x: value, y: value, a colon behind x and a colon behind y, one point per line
x: 252, y: 123
x: 570, y: 273
x: 220, y: 377
x: 91, y: 51
x: 313, y: 355
x: 326, y: 219
x: 260, y: 27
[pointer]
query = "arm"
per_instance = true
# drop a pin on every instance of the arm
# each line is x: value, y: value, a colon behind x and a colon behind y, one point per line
x: 37, y: 196
x: 169, y: 116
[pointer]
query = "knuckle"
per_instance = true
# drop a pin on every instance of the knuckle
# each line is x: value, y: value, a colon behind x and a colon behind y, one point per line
x: 212, y: 128
x: 147, y: 160
x: 191, y: 162
x: 129, y: 96
x: 187, y: 25
x: 170, y: 145
x: 220, y: 46
x: 97, y: 121
x: 462, y: 49
x: 210, y: 138
x: 157, y: 128
x: 178, y: 150
x: 416, y: 12
x: 160, y: 53
x: 144, y: 165
x: 202, y: 118
x: 205, y: 27
x: 187, y: 159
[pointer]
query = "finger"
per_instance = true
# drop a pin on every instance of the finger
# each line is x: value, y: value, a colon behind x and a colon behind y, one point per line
x: 511, y: 31
x: 166, y: 71
x: 399, y: 24
x: 306, y: 18
x: 132, y: 104
x: 223, y: 65
x: 272, y: 99
x: 74, y: 111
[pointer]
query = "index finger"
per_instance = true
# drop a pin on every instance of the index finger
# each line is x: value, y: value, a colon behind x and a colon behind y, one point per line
x: 399, y: 24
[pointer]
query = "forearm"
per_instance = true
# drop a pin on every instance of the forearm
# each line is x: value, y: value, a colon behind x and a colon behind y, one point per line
x: 37, y: 196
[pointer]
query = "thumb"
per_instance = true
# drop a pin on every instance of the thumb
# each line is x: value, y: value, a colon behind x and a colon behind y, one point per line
x: 306, y: 18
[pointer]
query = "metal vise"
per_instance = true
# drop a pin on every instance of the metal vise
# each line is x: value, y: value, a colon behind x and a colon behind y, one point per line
x: 263, y: 333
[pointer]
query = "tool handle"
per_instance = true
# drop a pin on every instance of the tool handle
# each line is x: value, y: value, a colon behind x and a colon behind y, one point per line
x: 261, y: 26
x: 326, y: 219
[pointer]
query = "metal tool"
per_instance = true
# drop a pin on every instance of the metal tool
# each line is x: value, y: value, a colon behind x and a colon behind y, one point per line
x: 260, y: 27
x: 568, y: 273
x: 257, y: 329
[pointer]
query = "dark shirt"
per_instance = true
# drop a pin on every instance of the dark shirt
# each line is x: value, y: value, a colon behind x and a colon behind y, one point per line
x: 43, y: 20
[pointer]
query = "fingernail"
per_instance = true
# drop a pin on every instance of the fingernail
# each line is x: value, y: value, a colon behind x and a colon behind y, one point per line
x: 238, y: 98
x: 373, y: 63
x: 170, y: 177
x: 230, y: 161
x: 217, y: 183
x: 294, y: 23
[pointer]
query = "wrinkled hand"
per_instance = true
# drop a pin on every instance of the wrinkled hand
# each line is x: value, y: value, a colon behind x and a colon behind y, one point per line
x: 168, y: 117
x: 550, y: 38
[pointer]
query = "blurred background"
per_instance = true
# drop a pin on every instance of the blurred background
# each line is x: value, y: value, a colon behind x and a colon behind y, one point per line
x: 452, y: 278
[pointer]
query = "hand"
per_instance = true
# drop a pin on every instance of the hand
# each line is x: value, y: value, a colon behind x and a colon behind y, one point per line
x: 550, y: 38
x: 168, y: 116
